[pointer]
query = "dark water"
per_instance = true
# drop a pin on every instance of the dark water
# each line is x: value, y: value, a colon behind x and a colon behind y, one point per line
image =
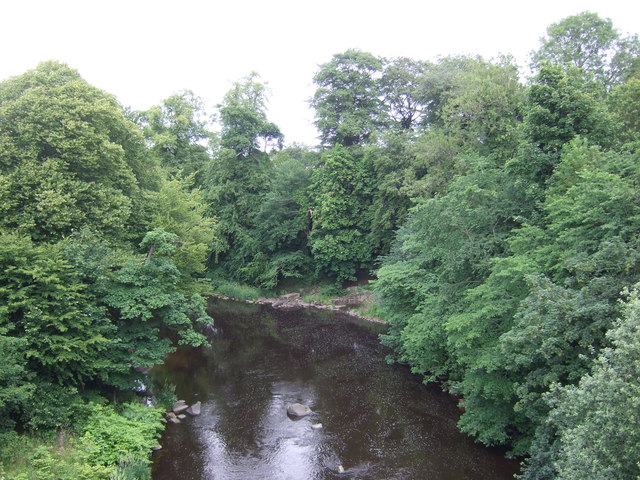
x: 379, y: 421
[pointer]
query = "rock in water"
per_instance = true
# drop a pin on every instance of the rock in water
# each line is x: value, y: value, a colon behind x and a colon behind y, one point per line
x: 180, y: 406
x: 195, y: 409
x: 298, y: 410
x: 171, y: 417
x: 316, y: 426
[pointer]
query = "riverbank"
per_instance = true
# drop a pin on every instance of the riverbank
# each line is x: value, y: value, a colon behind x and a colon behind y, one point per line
x: 347, y: 304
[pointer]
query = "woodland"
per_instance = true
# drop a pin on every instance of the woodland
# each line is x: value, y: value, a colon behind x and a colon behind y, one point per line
x: 498, y: 212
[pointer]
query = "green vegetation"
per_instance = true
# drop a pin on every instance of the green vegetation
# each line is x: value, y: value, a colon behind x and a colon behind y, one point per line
x: 500, y: 217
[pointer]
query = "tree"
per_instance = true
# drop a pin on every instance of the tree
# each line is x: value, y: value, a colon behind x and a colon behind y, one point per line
x: 624, y: 102
x: 560, y: 106
x: 445, y: 249
x: 346, y: 101
x: 180, y: 210
x: 283, y: 221
x: 482, y: 109
x: 244, y: 120
x: 597, y: 432
x: 342, y: 189
x: 238, y: 175
x: 592, y: 44
x: 178, y: 135
x: 45, y: 306
x: 69, y: 158
x: 400, y: 86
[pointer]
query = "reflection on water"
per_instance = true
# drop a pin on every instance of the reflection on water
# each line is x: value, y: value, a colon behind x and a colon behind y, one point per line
x: 379, y: 421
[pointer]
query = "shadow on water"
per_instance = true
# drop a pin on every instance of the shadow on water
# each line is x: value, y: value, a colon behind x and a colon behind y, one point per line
x: 378, y: 421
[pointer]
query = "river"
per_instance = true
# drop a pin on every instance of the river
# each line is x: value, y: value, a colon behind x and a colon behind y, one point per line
x: 378, y: 420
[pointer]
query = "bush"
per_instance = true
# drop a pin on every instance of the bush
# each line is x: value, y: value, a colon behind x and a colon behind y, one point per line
x: 113, y: 436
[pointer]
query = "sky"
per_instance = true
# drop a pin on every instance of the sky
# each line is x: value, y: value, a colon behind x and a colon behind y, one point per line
x: 143, y: 51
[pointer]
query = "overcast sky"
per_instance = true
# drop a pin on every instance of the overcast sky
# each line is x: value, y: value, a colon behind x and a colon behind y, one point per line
x: 142, y: 51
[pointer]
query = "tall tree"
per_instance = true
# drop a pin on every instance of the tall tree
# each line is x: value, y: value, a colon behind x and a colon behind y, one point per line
x: 400, y: 88
x: 69, y: 158
x: 178, y: 134
x: 593, y: 45
x: 347, y: 98
x: 238, y: 175
x: 342, y: 190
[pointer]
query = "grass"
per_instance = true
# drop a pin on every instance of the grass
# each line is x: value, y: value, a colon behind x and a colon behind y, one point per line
x: 237, y: 290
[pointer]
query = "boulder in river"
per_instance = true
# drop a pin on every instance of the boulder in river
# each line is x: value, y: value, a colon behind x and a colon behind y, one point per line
x: 195, y: 409
x: 180, y: 406
x: 171, y: 417
x: 298, y: 410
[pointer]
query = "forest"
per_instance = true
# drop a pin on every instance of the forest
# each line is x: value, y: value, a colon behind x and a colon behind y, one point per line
x: 498, y: 212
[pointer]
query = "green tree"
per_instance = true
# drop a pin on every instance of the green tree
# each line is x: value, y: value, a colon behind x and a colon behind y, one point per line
x: 238, y: 176
x: 178, y: 135
x: 347, y: 99
x: 593, y: 45
x: 596, y: 429
x: 69, y: 158
x: 283, y: 221
x: 44, y: 304
x: 400, y: 87
x: 624, y: 103
x: 180, y: 210
x: 560, y: 106
x: 483, y: 108
x: 341, y: 191
x: 245, y: 128
x: 446, y: 248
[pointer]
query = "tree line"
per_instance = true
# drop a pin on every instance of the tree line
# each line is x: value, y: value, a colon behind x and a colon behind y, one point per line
x: 500, y: 218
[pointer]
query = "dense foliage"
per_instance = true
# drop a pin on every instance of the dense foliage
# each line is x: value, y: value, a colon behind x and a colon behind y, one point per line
x: 501, y: 218
x: 99, y: 246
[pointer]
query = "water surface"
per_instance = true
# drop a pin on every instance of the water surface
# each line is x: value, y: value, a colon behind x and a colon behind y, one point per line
x: 379, y: 422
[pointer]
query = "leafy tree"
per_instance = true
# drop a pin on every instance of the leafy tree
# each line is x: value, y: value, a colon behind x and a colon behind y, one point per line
x: 15, y: 386
x: 178, y: 134
x: 624, y: 103
x: 238, y: 176
x: 540, y: 315
x: 244, y: 120
x: 44, y: 304
x: 392, y: 164
x: 347, y: 98
x: 560, y: 106
x: 143, y: 298
x: 596, y: 429
x: 445, y: 249
x: 283, y: 221
x: 179, y: 210
x: 592, y: 44
x: 68, y: 157
x: 400, y: 87
x: 342, y: 190
x: 483, y: 108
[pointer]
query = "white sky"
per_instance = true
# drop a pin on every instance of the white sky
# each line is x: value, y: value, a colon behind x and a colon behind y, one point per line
x: 142, y: 51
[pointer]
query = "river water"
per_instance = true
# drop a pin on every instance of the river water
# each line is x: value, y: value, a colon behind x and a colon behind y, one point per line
x: 378, y: 420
